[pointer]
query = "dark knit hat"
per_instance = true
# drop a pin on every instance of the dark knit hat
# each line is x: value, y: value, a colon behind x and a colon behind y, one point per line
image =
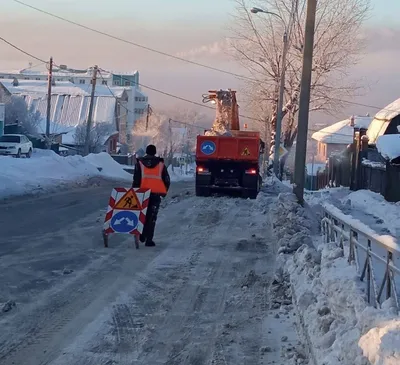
x: 151, y: 150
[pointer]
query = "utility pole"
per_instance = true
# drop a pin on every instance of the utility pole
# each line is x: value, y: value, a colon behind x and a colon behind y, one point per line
x: 49, y: 84
x: 90, y: 115
x: 279, y: 113
x: 148, y: 115
x: 304, y: 102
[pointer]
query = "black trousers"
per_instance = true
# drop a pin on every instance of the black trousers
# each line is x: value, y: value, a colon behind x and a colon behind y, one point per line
x: 151, y: 217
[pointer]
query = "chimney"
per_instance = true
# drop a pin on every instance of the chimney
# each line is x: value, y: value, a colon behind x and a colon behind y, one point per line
x: 15, y: 82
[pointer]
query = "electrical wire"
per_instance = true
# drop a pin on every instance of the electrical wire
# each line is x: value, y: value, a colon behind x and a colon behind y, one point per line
x: 205, y: 98
x: 132, y: 43
x: 22, y: 51
x: 155, y: 51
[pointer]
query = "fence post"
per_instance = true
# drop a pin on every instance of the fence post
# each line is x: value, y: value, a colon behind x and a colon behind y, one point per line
x: 354, y: 157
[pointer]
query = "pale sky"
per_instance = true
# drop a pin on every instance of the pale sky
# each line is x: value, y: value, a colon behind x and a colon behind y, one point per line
x: 194, y: 29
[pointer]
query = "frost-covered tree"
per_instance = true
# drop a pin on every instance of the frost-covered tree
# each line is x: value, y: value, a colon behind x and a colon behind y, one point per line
x: 17, y: 111
x: 257, y: 44
x: 99, y: 133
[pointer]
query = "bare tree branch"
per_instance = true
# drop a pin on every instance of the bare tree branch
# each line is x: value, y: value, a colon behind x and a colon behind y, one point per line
x: 257, y: 45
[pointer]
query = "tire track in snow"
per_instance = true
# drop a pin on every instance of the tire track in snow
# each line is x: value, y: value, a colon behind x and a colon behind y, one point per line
x: 58, y: 320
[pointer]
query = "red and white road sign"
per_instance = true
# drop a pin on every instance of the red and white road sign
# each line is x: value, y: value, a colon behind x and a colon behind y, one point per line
x: 126, y: 211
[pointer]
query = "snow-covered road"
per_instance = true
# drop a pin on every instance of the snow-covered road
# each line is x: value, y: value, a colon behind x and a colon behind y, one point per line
x: 200, y: 297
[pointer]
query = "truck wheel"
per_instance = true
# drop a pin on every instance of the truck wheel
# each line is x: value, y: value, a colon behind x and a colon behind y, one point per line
x: 253, y: 194
x: 202, y: 191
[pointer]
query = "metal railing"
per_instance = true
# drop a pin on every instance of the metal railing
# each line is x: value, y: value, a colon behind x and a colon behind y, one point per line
x: 337, y: 227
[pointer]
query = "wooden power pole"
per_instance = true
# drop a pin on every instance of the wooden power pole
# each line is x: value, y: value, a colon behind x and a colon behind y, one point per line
x: 304, y: 103
x: 49, y: 84
x: 90, y: 115
x: 148, y: 115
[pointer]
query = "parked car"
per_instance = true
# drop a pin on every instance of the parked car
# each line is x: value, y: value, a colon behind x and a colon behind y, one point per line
x: 15, y: 145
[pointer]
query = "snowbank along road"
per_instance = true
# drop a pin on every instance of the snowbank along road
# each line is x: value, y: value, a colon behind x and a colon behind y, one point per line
x: 200, y: 297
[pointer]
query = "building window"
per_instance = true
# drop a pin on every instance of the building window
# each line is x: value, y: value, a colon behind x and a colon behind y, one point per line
x: 82, y: 81
x: 116, y: 83
x: 1, y: 77
x: 26, y: 78
x: 38, y: 78
x: 127, y: 83
x: 136, y: 98
x: 104, y: 82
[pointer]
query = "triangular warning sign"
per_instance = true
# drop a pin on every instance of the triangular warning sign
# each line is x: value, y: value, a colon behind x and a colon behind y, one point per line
x: 129, y: 201
x: 246, y: 152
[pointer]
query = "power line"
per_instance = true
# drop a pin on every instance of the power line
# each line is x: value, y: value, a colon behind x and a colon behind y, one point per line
x: 169, y: 94
x: 241, y: 115
x: 22, y: 51
x: 184, y: 99
x: 133, y: 43
x: 158, y: 52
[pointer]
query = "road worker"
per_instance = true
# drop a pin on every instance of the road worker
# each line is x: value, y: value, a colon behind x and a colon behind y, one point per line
x: 151, y: 173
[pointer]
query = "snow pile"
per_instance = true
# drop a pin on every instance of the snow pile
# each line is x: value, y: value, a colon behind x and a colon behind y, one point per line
x: 47, y: 170
x: 226, y: 105
x: 389, y: 146
x: 110, y: 168
x: 338, y: 325
x: 368, y: 207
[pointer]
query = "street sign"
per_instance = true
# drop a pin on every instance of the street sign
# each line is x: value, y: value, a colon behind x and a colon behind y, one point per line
x: 282, y: 152
x: 129, y: 201
x: 208, y: 147
x: 126, y: 211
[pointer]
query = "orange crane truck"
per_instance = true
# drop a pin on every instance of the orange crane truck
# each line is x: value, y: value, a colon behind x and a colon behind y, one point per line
x: 227, y: 159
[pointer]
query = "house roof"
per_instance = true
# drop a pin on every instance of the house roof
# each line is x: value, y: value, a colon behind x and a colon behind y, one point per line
x: 69, y: 102
x: 389, y: 112
x: 57, y: 72
x: 382, y: 120
x: 341, y: 132
x: 37, y: 87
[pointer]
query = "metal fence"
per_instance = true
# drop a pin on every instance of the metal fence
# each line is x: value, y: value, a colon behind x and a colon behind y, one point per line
x: 376, y: 258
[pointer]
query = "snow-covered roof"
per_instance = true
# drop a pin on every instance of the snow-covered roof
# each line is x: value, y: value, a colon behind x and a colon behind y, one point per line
x: 68, y: 138
x: 55, y: 128
x: 389, y: 112
x: 382, y: 120
x: 69, y: 102
x: 58, y: 72
x: 341, y: 132
x: 388, y: 146
x: 38, y: 87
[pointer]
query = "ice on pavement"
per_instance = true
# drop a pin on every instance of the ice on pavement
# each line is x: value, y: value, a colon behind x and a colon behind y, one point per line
x: 199, y: 297
x: 46, y: 170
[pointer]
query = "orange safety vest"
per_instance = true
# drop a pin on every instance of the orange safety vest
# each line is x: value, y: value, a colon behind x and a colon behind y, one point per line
x: 152, y: 178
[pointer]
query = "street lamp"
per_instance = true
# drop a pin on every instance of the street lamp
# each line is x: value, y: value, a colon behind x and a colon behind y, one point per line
x: 279, y: 114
